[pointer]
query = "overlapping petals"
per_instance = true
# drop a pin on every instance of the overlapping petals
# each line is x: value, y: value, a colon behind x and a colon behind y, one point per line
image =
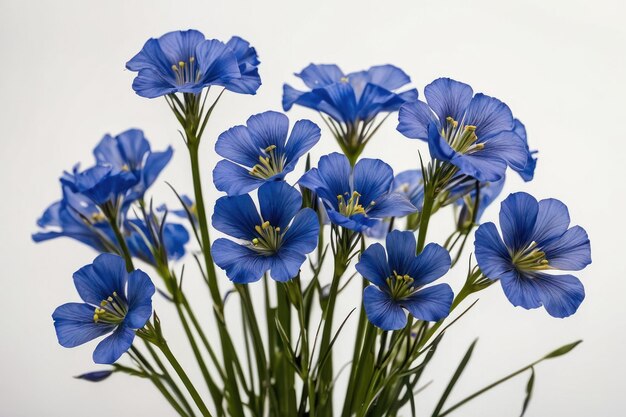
x: 356, y: 199
x: 398, y: 277
x: 260, y: 151
x: 115, y: 303
x: 276, y: 239
x: 536, y: 238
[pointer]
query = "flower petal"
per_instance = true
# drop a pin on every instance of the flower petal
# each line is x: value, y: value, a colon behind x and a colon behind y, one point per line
x: 432, y: 263
x: 381, y: 310
x: 570, y: 252
x: 372, y: 179
x: 315, y: 76
x: 388, y: 76
x: 303, y: 233
x: 269, y: 128
x: 97, y: 281
x: 140, y: 292
x: 552, y: 220
x: 430, y: 304
x: 237, y: 145
x: 392, y: 205
x: 448, y: 98
x: 518, y: 214
x: 236, y: 216
x: 279, y: 203
x: 489, y: 115
x: 303, y: 136
x: 234, y: 179
x: 114, y: 346
x: 492, y: 256
x: 74, y: 324
x: 330, y: 179
x: 414, y: 118
x: 373, y: 265
x: 401, y: 251
x: 242, y: 265
x: 286, y: 264
x: 217, y: 63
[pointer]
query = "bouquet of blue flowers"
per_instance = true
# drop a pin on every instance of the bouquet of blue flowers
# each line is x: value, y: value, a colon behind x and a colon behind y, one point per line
x: 290, y: 248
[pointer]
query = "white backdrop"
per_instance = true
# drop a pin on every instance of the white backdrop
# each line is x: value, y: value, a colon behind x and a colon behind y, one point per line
x: 558, y: 64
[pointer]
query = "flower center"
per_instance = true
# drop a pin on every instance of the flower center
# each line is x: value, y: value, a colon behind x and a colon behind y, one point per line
x: 112, y: 310
x: 268, y: 240
x: 270, y: 163
x: 98, y: 217
x: 401, y: 286
x: 186, y: 72
x: 461, y: 138
x: 351, y: 205
x: 530, y: 259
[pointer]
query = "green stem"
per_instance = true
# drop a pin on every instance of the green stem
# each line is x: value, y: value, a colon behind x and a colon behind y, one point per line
x: 429, y: 200
x: 121, y: 241
x: 185, y: 379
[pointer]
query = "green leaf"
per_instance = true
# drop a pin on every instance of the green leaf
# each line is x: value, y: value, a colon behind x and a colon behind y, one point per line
x: 563, y: 350
x: 455, y: 378
x: 529, y: 391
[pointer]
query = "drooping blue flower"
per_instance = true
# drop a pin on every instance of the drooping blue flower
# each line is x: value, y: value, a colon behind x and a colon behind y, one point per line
x: 77, y: 217
x: 399, y: 277
x: 142, y: 241
x: 189, y: 208
x: 411, y: 184
x: 260, y: 152
x: 95, y: 376
x: 115, y: 303
x: 353, y: 97
x: 276, y: 239
x: 464, y: 197
x: 537, y: 239
x: 130, y: 152
x: 103, y: 185
x: 476, y: 133
x: 356, y: 199
x: 186, y: 62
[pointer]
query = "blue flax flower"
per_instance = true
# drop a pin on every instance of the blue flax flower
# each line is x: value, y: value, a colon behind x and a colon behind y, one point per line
x: 411, y: 184
x: 356, y: 199
x: 260, y: 152
x: 186, y: 62
x: 276, y: 239
x: 399, y: 277
x: 350, y: 98
x: 130, y: 152
x: 464, y: 196
x: 77, y: 217
x: 115, y: 303
x: 102, y: 184
x: 537, y: 238
x: 476, y: 133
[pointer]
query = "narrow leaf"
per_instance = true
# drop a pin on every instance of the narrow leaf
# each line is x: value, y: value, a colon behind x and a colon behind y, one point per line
x: 529, y: 391
x: 455, y: 378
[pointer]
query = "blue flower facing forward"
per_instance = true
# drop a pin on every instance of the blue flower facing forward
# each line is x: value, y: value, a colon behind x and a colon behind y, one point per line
x: 130, y: 152
x: 399, y: 277
x: 276, y: 239
x: 537, y: 238
x: 351, y: 101
x: 115, y: 303
x: 186, y: 62
x: 356, y: 199
x: 260, y: 152
x: 476, y: 133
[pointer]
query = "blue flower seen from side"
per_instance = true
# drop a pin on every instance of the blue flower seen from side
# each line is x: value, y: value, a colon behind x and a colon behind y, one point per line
x: 356, y: 199
x: 116, y: 303
x: 277, y: 239
x: 130, y: 152
x: 141, y: 241
x: 102, y: 184
x: 260, y: 151
x: 411, y: 184
x: 536, y: 238
x: 398, y: 278
x: 476, y: 133
x: 186, y: 62
x: 353, y: 97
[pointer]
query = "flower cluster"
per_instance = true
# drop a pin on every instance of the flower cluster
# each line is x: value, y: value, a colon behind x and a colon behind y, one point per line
x: 270, y: 229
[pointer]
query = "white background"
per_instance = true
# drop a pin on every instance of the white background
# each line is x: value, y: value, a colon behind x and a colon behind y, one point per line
x: 558, y: 64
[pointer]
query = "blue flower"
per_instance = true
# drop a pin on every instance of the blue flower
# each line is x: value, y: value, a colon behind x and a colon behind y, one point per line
x: 356, y: 199
x: 141, y: 241
x: 537, y: 238
x: 130, y: 152
x: 115, y: 302
x: 77, y: 217
x: 476, y: 134
x: 350, y: 98
x: 103, y: 185
x: 189, y: 208
x: 185, y: 62
x: 260, y: 151
x: 399, y: 277
x: 464, y: 197
x: 277, y: 239
x: 411, y: 184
